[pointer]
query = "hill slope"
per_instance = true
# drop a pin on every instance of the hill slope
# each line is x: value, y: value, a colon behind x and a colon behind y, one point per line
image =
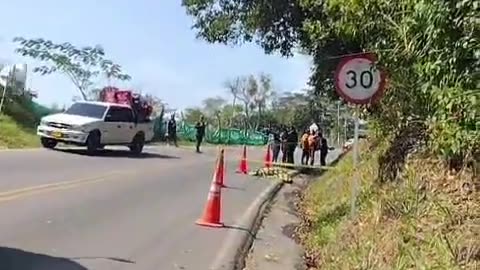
x: 427, y: 219
x: 12, y: 135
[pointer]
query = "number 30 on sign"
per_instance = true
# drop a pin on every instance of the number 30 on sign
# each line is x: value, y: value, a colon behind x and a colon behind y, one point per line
x: 358, y: 81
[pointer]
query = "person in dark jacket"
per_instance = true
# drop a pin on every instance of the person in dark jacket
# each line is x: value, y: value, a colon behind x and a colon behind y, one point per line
x: 275, y: 144
x: 323, y: 150
x: 292, y: 141
x: 200, y: 127
x: 172, y: 130
x: 284, y: 144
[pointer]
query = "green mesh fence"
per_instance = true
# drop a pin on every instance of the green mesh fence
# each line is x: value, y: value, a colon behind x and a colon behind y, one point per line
x: 25, y: 111
x: 223, y: 136
x: 39, y: 110
x: 159, y: 129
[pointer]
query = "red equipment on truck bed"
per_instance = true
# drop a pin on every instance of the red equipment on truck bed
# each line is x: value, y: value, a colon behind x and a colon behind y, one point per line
x: 139, y: 105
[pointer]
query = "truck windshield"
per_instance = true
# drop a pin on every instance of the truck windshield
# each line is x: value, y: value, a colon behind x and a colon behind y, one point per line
x: 86, y: 109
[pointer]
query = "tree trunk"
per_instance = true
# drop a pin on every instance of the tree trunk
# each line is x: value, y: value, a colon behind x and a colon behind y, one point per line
x: 247, y: 116
x: 82, y: 92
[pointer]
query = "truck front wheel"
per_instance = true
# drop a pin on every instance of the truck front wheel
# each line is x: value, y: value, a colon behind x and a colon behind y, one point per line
x: 93, y: 142
x: 137, y: 144
x: 48, y: 143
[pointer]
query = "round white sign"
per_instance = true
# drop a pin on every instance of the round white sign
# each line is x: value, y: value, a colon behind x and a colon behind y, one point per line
x: 358, y: 81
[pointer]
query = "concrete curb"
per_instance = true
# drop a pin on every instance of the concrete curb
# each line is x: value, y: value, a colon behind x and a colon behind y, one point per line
x: 239, y: 240
x: 237, y: 245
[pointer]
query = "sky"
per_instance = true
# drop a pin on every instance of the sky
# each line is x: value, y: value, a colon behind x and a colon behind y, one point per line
x: 151, y: 39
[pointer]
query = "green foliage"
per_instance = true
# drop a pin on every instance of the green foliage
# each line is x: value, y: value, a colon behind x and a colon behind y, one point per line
x: 20, y: 107
x: 263, y: 108
x: 429, y: 49
x: 456, y: 122
x: 274, y: 24
x: 81, y: 65
x: 192, y: 115
x: 19, y: 118
x: 13, y: 135
x: 425, y: 221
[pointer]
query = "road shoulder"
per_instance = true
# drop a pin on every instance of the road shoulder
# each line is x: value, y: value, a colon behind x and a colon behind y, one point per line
x: 275, y: 247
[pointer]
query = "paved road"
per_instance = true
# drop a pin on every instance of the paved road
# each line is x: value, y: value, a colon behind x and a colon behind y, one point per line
x: 65, y: 210
x: 113, y: 211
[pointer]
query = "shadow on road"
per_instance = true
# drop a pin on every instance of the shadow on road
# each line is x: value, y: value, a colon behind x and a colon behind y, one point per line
x: 115, y: 259
x: 17, y: 259
x: 117, y: 154
x: 252, y: 234
x: 235, y: 188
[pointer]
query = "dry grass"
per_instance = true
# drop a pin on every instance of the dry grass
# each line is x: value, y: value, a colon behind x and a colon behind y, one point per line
x: 427, y: 220
x: 14, y: 136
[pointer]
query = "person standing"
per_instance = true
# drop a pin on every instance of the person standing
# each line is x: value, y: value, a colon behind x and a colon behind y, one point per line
x: 312, y: 146
x: 200, y: 127
x: 323, y: 150
x: 313, y: 128
x: 304, y: 146
x: 284, y: 144
x: 275, y: 144
x: 292, y: 141
x: 172, y: 130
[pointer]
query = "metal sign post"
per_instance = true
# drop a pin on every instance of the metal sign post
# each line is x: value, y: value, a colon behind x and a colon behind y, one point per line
x: 355, y: 184
x: 338, y: 123
x: 358, y: 82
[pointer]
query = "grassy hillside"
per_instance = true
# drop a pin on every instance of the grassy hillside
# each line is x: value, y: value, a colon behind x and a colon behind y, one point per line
x: 12, y: 135
x: 427, y: 219
x: 18, y: 120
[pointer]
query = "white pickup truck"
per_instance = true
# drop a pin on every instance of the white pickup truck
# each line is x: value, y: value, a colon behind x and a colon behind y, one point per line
x: 94, y: 125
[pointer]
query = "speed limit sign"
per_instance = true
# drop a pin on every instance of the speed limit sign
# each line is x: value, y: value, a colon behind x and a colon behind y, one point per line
x: 358, y: 81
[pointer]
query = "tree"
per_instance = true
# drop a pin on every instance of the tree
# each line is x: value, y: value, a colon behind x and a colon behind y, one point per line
x: 234, y: 88
x: 232, y: 116
x: 428, y: 48
x: 276, y: 25
x: 158, y: 105
x: 213, y: 105
x: 253, y: 93
x: 248, y: 89
x: 192, y: 115
x: 265, y: 92
x: 80, y: 65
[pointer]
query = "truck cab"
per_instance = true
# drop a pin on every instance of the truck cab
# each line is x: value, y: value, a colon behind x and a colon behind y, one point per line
x: 94, y: 125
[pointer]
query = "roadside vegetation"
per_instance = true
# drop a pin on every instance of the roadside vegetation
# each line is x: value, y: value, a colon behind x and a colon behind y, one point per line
x: 427, y: 219
x: 252, y: 102
x: 12, y: 135
x: 18, y: 119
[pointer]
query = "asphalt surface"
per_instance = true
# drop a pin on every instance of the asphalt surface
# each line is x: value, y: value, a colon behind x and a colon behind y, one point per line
x: 62, y: 209
x: 65, y: 210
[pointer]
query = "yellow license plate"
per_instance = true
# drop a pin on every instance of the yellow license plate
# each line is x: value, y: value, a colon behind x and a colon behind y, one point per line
x: 57, y: 134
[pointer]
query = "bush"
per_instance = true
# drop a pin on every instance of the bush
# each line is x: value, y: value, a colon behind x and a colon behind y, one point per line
x: 427, y: 220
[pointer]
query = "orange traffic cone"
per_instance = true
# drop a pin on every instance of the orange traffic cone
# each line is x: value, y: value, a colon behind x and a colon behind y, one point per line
x: 220, y: 170
x: 268, y: 158
x: 211, y: 214
x: 243, y: 166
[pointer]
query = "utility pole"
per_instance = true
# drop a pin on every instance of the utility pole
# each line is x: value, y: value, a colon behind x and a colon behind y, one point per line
x: 338, y: 123
x: 10, y: 76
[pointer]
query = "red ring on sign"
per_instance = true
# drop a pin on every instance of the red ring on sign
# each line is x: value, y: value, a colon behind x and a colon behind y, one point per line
x: 371, y: 99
